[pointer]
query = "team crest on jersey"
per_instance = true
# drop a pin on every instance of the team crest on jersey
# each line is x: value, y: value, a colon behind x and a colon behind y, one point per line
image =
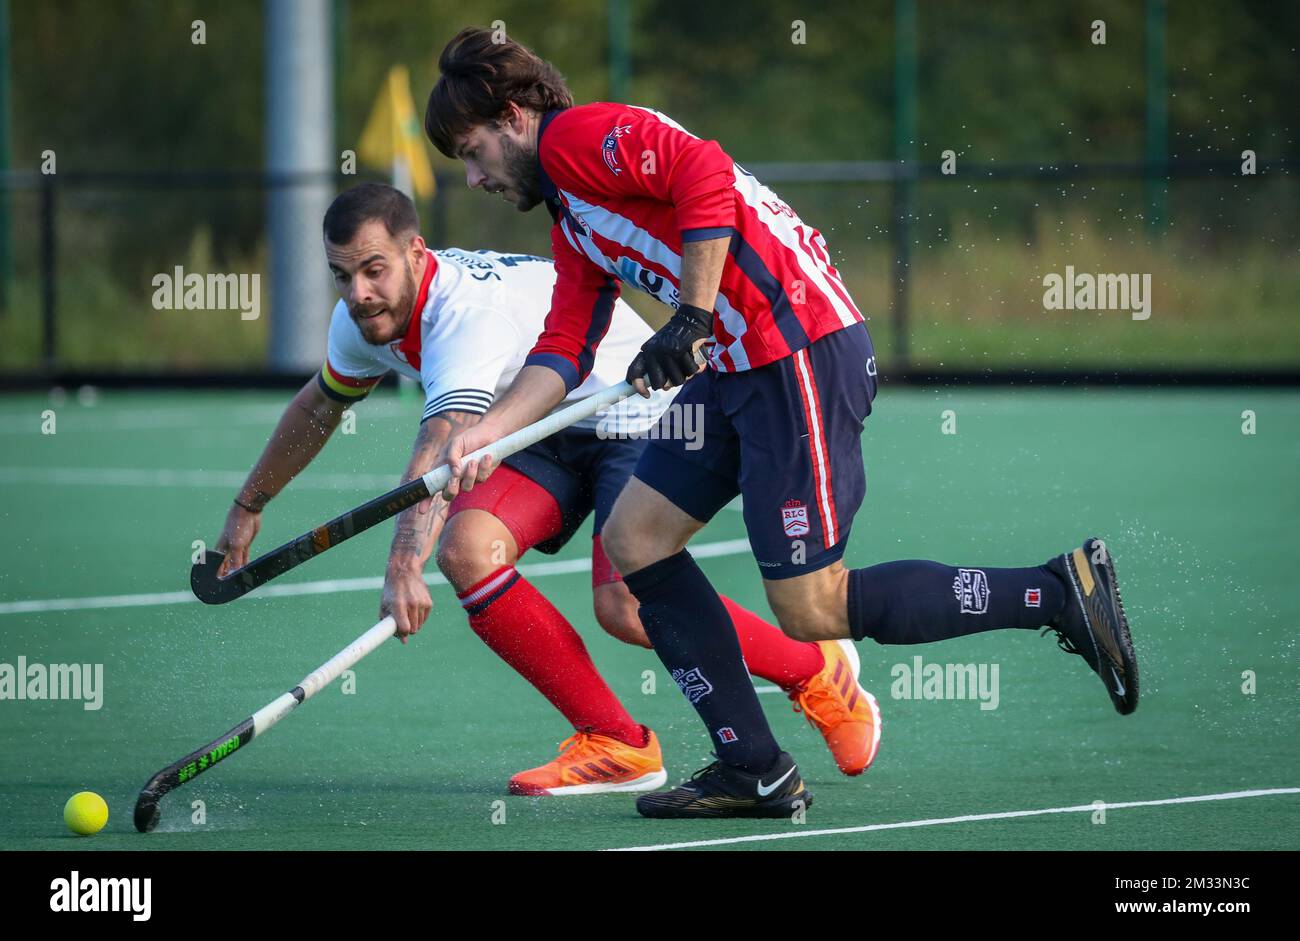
x: 692, y: 683
x: 794, y: 517
x: 971, y: 586
x: 609, y: 148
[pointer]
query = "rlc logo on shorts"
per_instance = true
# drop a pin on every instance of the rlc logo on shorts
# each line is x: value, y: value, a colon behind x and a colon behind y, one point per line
x: 971, y: 586
x: 692, y: 683
x: 794, y: 517
x: 1033, y: 598
x: 727, y: 735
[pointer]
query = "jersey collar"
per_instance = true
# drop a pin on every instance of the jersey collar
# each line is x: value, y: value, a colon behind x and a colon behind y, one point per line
x: 549, y: 189
x: 410, y: 345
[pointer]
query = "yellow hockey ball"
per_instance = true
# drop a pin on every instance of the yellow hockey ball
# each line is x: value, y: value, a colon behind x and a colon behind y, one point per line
x: 85, y: 813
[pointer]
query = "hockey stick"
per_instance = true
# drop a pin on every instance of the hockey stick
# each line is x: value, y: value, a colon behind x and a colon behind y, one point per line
x: 210, y: 589
x: 147, y: 812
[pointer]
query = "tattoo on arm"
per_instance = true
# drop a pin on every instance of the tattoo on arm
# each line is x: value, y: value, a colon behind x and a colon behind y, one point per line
x: 415, y: 531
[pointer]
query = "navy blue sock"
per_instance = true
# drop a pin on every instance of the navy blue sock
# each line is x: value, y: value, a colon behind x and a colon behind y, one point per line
x: 694, y: 637
x: 917, y: 602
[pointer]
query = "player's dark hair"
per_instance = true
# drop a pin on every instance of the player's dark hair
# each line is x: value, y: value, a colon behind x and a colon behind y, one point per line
x: 482, y: 72
x: 367, y: 202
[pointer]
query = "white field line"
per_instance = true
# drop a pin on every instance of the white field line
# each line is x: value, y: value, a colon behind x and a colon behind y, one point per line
x: 326, y: 587
x: 161, y: 477
x: 81, y: 419
x: 101, y: 418
x: 965, y: 818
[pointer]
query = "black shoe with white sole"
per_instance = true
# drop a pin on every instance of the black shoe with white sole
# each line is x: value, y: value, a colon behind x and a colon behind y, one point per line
x: 723, y: 791
x: 1093, y: 624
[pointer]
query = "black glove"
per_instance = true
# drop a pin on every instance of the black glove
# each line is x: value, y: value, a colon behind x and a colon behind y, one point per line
x: 667, y: 359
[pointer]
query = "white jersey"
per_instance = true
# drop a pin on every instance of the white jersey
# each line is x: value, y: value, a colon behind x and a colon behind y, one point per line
x: 479, y: 314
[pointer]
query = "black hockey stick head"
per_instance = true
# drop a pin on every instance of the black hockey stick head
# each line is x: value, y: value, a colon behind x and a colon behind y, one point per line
x: 210, y: 589
x: 147, y: 811
x: 186, y: 769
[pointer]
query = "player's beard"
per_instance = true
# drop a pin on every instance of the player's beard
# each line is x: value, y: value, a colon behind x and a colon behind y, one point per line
x: 403, y: 309
x: 524, y: 170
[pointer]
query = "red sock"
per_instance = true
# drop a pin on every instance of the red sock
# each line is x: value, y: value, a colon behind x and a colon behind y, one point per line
x: 769, y: 653
x: 527, y: 632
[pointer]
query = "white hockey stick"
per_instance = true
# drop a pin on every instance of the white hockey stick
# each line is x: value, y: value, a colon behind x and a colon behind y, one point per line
x: 147, y: 812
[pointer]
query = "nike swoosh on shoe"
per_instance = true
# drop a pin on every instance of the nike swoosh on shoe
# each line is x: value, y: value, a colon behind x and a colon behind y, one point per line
x: 765, y: 789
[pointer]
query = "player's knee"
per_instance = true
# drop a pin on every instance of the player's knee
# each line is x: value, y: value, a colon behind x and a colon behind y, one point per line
x: 617, y: 614
x: 455, y: 562
x: 621, y: 543
x: 464, y: 557
x: 644, y: 528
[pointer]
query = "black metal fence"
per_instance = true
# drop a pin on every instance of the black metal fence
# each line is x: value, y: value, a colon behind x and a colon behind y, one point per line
x: 947, y: 266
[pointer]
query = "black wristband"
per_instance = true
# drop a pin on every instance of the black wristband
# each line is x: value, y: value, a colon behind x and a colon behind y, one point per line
x: 239, y: 503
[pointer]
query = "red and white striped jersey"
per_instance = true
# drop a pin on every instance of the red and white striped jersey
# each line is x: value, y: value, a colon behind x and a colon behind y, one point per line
x: 627, y: 186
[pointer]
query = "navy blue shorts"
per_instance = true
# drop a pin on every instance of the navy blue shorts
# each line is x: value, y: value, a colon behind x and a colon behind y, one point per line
x: 583, y: 472
x: 786, y: 437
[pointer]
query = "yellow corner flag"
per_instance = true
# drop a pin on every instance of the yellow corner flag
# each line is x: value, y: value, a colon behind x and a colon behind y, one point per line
x: 392, y: 137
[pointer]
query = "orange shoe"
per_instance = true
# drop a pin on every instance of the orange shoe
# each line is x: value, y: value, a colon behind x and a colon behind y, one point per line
x: 846, y: 715
x: 595, y: 764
